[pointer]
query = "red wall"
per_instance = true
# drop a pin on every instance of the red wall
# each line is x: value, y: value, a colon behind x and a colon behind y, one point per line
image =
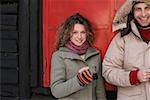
x: 99, y: 12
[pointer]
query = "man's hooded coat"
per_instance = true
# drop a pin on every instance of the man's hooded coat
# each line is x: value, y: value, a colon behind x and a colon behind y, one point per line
x: 127, y: 53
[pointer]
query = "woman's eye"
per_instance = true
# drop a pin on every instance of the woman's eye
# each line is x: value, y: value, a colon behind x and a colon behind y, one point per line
x: 74, y: 32
x: 83, y: 32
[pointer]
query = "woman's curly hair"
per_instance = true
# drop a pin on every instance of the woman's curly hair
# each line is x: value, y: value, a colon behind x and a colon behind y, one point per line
x: 64, y: 30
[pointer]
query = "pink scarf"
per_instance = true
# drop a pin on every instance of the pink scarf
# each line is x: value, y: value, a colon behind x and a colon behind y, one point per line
x: 77, y: 49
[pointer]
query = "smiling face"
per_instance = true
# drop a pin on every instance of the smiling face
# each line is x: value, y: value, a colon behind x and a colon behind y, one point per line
x: 142, y: 14
x: 78, y: 34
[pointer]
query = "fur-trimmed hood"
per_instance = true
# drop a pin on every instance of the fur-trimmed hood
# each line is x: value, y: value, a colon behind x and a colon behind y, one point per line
x: 120, y: 19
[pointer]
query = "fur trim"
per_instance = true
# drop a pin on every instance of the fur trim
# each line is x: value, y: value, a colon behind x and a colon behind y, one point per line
x: 120, y: 19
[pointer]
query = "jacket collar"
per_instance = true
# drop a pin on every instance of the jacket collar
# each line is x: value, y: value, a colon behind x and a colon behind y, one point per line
x: 135, y: 29
x: 66, y: 53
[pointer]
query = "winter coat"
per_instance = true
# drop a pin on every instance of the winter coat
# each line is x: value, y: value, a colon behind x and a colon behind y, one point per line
x: 124, y: 55
x: 64, y: 82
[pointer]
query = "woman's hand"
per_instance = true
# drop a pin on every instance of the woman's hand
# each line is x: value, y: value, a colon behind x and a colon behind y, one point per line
x: 86, y: 76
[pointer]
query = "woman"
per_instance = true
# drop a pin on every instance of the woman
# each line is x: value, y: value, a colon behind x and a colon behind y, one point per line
x: 76, y: 66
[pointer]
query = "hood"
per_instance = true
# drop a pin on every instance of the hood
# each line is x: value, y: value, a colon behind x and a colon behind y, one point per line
x: 120, y: 19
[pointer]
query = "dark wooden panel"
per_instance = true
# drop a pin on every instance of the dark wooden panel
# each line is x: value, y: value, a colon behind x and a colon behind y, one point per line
x: 9, y: 60
x: 9, y: 98
x: 10, y: 1
x: 9, y: 56
x: 8, y: 46
x: 9, y: 8
x: 9, y: 76
x: 9, y: 35
x: 9, y: 91
x: 40, y: 36
x: 24, y: 50
x: 8, y: 28
x: 9, y: 64
x: 33, y: 42
x: 8, y: 19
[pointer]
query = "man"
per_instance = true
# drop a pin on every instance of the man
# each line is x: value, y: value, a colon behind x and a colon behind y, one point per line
x: 127, y: 60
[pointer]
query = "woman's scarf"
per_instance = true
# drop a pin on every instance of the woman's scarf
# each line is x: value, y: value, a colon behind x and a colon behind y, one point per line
x: 78, y: 49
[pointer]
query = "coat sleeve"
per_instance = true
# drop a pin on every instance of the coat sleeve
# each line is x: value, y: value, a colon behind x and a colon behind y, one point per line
x: 113, y: 68
x: 61, y: 87
x: 100, y: 88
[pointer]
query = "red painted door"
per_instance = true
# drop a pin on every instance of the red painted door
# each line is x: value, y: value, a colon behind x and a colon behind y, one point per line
x: 99, y: 12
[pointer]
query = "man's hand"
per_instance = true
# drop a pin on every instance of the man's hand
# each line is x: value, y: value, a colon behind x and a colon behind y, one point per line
x: 144, y: 75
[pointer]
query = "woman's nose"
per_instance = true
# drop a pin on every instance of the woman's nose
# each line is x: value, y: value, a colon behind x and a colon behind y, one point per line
x: 79, y: 35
